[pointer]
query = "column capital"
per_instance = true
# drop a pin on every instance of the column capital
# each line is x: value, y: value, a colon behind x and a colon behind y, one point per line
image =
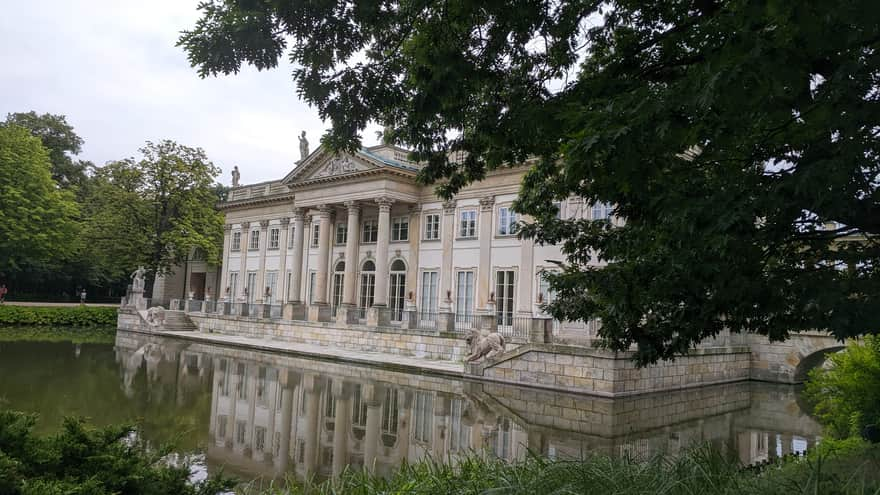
x: 245, y: 225
x: 264, y: 224
x: 297, y: 214
x: 384, y: 203
x: 487, y: 203
x: 449, y: 206
x: 352, y: 206
x: 227, y: 227
x: 324, y: 210
x: 415, y: 209
x: 285, y: 221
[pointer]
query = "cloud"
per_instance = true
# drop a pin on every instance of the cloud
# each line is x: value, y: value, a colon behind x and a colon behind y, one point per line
x: 112, y: 68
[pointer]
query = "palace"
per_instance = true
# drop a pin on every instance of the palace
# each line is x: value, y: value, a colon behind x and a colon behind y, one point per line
x: 344, y: 236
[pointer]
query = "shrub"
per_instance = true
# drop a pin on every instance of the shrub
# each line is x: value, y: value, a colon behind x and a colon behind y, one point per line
x: 846, y: 394
x: 85, y: 460
x: 57, y: 316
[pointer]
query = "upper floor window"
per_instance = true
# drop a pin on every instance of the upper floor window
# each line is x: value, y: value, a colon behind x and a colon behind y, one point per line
x: 341, y: 233
x: 274, y: 238
x: 254, y: 240
x: 602, y: 211
x: 371, y: 231
x: 236, y: 241
x: 432, y: 227
x: 316, y: 234
x: 400, y: 229
x: 506, y: 221
x: 558, y: 206
x: 290, y: 236
x: 467, y: 224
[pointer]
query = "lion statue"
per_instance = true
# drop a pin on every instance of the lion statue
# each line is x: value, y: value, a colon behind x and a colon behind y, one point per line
x: 156, y: 316
x: 481, y: 346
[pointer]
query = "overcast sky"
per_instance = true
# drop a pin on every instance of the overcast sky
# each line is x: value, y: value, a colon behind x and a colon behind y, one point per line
x: 112, y: 68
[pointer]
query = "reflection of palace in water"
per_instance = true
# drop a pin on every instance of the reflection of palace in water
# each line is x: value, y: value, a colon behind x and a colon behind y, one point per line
x: 273, y: 414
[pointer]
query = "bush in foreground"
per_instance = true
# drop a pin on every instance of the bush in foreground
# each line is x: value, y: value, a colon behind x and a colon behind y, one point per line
x: 88, y: 461
x: 78, y: 316
x: 846, y: 393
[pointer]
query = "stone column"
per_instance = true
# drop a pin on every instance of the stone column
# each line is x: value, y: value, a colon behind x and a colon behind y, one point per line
x: 312, y: 396
x: 371, y: 395
x: 286, y: 419
x: 242, y: 274
x: 347, y: 314
x: 341, y: 426
x: 261, y: 273
x: 297, y: 260
x: 379, y: 315
x: 320, y: 310
x: 485, y: 272
x: 281, y: 288
x: 526, y: 276
x: 448, y: 233
x: 224, y: 264
x: 415, y: 237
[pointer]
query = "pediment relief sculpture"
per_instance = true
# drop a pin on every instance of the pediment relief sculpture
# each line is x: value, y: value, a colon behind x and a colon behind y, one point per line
x: 339, y: 165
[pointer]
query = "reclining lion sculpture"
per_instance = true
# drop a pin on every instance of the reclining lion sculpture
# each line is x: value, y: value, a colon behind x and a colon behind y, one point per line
x: 156, y: 316
x: 481, y: 346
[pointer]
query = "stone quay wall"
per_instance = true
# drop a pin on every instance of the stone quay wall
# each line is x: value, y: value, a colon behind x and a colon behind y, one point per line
x: 388, y: 340
x: 606, y: 373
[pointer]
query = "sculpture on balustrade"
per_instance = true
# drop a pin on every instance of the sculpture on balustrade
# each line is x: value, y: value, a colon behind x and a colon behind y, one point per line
x: 481, y: 346
x: 236, y: 176
x: 303, y: 146
x: 137, y: 279
x: 156, y: 316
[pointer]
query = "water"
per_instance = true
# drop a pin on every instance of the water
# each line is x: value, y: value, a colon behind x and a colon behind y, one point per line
x: 264, y: 416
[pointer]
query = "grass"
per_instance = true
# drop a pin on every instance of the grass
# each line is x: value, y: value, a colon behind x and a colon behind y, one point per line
x: 77, y: 335
x: 841, y: 468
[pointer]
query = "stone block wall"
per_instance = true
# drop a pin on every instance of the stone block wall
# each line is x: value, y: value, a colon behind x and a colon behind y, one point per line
x: 606, y: 373
x: 416, y: 343
x: 789, y: 361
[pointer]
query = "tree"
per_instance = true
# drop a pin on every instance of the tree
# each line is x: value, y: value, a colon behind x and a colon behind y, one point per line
x: 60, y: 139
x: 737, y: 139
x: 38, y: 226
x: 154, y: 211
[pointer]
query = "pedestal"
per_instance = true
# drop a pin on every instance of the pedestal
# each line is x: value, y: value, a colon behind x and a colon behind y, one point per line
x: 137, y: 299
x: 347, y: 314
x: 378, y: 316
x: 294, y: 311
x: 541, y: 330
x: 446, y: 321
x: 319, y: 312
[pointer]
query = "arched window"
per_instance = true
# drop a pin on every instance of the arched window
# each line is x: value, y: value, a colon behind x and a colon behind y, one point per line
x: 397, y: 287
x: 368, y: 286
x: 338, y: 279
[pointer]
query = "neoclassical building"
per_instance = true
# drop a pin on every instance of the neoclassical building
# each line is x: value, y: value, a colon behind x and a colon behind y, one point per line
x: 343, y: 233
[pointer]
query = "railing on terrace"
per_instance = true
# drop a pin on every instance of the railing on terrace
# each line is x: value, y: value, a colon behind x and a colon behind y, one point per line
x: 514, y: 326
x: 465, y: 322
x: 275, y: 311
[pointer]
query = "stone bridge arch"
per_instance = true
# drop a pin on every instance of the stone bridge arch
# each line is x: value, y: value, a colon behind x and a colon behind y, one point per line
x: 790, y: 361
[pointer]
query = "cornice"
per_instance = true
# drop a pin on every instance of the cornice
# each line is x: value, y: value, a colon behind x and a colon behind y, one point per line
x: 257, y: 201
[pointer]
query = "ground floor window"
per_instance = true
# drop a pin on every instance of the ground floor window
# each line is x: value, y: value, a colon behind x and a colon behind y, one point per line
x: 504, y: 286
x: 272, y: 285
x: 368, y: 285
x: 251, y: 286
x: 338, y: 284
x: 313, y: 284
x: 398, y: 289
x: 429, y: 292
x: 464, y: 294
x: 233, y: 285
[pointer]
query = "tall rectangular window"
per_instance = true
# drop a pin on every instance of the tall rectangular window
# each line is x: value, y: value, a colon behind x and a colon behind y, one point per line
x: 464, y: 293
x: 313, y: 283
x: 274, y: 238
x: 429, y: 292
x: 316, y: 234
x: 272, y: 285
x: 370, y: 232
x: 259, y: 438
x: 233, y: 285
x: 251, y: 286
x: 400, y: 229
x: 432, y: 227
x: 467, y: 223
x: 290, y: 237
x: 504, y: 287
x: 341, y: 233
x: 602, y: 211
x: 506, y: 221
x: 255, y: 240
x: 236, y: 241
x: 547, y: 294
x: 423, y: 412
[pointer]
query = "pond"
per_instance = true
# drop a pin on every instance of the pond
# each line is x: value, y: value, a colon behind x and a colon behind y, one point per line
x: 264, y: 416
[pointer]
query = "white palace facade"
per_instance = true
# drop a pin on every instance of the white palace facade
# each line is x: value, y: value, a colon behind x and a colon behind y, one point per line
x: 343, y: 233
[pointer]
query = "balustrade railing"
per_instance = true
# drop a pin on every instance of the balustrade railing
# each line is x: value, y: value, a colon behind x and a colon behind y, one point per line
x: 515, y: 327
x: 464, y: 322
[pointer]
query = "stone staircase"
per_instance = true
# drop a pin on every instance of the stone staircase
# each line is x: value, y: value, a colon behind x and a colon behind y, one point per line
x: 177, y: 321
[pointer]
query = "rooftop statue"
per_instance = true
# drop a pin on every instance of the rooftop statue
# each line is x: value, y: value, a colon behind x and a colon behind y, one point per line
x: 303, y: 146
x: 236, y: 176
x: 137, y: 278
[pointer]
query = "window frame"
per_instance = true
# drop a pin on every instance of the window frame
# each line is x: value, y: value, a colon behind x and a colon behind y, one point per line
x: 436, y: 225
x: 507, y: 229
x: 341, y: 228
x: 235, y: 243
x: 315, y: 240
x: 254, y: 240
x: 400, y: 225
x: 274, y: 238
x: 374, y: 224
x: 471, y: 233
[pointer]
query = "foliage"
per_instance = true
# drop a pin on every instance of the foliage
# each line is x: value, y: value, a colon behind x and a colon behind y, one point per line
x: 85, y: 460
x: 153, y: 211
x: 702, y: 470
x: 728, y: 135
x: 37, y: 220
x: 78, y: 316
x: 60, y: 139
x: 846, y: 393
x: 43, y: 333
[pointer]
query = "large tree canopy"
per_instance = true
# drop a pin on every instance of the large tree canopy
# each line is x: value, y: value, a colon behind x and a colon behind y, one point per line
x: 738, y: 140
x: 37, y: 220
x: 153, y: 211
x: 60, y: 139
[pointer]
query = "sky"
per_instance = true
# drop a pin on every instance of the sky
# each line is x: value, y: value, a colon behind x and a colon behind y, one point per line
x: 112, y: 68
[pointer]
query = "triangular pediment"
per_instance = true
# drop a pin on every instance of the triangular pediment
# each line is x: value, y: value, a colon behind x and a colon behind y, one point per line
x: 323, y: 165
x: 333, y: 165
